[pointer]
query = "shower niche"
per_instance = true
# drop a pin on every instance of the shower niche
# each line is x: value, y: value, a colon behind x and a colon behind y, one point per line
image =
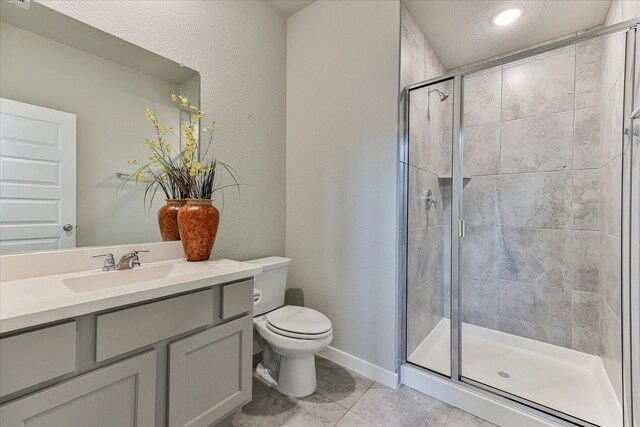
x: 514, y: 227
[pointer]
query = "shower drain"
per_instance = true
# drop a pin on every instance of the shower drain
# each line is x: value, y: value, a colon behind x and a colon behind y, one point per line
x: 504, y: 374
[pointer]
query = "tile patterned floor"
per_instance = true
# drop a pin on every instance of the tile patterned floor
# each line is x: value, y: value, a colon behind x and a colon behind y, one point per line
x: 346, y: 399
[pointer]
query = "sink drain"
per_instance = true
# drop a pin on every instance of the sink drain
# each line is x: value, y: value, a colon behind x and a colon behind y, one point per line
x: 504, y: 374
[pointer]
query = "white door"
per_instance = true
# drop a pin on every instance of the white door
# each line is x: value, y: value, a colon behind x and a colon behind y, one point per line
x: 37, y: 178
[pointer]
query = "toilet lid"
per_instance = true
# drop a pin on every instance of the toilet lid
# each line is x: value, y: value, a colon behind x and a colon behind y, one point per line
x: 298, y: 322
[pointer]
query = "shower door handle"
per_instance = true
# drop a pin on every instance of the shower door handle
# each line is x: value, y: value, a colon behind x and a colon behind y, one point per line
x: 461, y: 228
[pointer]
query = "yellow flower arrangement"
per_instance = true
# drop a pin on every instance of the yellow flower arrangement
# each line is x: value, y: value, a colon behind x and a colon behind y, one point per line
x: 192, y: 172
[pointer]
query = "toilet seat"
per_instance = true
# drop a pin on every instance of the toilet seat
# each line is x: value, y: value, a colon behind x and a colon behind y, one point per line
x: 298, y: 322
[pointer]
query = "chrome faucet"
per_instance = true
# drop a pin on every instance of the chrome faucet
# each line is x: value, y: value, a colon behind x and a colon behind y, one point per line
x: 129, y: 260
x: 109, y: 262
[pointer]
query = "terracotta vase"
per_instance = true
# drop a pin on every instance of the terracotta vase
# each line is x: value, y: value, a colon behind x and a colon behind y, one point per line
x: 198, y: 222
x: 168, y: 219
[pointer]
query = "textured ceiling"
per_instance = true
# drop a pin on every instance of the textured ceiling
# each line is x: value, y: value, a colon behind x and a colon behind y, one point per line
x: 460, y: 31
x: 289, y: 7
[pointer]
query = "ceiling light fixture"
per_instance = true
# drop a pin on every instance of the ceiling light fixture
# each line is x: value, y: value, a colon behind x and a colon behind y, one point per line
x: 506, y: 17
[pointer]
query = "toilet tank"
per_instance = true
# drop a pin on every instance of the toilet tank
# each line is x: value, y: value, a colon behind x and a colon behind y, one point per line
x: 269, y: 287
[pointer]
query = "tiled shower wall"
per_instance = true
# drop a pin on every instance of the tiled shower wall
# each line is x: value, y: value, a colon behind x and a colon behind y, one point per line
x: 530, y: 259
x: 425, y: 302
x: 532, y: 205
x: 542, y: 150
x: 542, y: 195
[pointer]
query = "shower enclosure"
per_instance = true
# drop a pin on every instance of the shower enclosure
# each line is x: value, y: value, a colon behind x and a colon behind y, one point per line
x: 518, y: 250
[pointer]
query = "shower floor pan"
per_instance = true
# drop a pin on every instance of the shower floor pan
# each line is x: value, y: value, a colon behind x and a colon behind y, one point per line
x: 566, y: 380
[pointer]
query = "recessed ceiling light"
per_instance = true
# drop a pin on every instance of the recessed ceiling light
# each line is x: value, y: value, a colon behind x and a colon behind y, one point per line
x: 506, y: 17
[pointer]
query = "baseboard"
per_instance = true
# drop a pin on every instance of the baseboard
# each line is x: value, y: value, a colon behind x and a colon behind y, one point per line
x: 468, y: 400
x: 369, y: 370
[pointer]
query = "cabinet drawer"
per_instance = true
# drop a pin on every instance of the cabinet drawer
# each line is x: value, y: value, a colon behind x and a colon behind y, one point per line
x: 210, y: 373
x: 237, y: 298
x: 33, y: 357
x: 132, y: 328
x: 122, y: 394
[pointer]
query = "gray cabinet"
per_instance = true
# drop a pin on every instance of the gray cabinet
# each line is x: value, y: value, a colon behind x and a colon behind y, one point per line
x: 210, y: 373
x: 37, y: 356
x: 124, y: 330
x: 121, y: 394
x: 237, y: 298
x: 184, y: 360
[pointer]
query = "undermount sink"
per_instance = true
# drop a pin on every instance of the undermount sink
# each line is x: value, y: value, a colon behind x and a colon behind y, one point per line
x: 111, y: 279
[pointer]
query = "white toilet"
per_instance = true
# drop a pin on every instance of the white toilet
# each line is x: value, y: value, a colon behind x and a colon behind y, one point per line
x: 288, y: 335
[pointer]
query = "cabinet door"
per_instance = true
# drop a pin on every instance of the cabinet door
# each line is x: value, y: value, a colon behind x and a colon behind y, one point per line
x: 122, y: 394
x: 33, y: 357
x: 210, y: 373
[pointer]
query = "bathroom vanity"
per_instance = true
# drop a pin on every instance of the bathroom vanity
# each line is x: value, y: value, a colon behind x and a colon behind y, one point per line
x: 168, y: 343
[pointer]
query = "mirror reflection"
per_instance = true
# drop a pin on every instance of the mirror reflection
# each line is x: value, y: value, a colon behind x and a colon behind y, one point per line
x: 72, y: 116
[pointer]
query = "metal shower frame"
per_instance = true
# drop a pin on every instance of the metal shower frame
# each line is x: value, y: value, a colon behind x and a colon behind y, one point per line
x: 630, y: 263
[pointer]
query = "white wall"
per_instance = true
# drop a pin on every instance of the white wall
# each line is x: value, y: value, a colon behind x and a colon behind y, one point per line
x: 342, y: 91
x: 239, y: 48
x: 622, y: 10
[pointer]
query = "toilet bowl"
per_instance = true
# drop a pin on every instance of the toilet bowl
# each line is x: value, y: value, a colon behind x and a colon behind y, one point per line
x: 289, y: 336
x: 288, y: 362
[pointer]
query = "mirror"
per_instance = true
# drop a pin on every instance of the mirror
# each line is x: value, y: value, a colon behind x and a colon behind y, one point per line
x: 73, y: 102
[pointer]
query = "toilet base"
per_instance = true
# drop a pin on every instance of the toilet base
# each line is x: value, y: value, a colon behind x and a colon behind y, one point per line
x: 288, y: 364
x: 263, y: 375
x: 297, y: 377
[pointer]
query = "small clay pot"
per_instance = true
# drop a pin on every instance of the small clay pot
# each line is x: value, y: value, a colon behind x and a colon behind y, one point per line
x: 198, y: 222
x: 168, y: 219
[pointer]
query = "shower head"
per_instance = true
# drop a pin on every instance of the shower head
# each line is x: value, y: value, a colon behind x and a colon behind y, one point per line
x: 442, y: 95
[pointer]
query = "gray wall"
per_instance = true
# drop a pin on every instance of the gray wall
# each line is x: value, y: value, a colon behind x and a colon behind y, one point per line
x: 342, y: 109
x: 239, y: 48
x: 429, y: 168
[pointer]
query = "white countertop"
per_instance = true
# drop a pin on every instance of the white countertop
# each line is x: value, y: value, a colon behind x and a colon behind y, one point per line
x: 38, y: 300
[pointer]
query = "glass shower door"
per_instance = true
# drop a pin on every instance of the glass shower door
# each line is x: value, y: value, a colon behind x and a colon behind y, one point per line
x: 429, y: 227
x: 540, y: 260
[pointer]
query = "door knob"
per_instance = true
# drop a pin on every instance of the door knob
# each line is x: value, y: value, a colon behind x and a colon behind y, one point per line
x: 67, y: 227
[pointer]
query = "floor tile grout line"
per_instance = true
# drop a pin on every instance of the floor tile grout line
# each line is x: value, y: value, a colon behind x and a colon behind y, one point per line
x: 338, y: 403
x: 365, y: 392
x: 252, y: 402
x: 364, y: 418
x: 342, y: 406
x: 448, y: 416
x: 335, y: 401
x: 351, y: 372
x: 349, y: 408
x: 343, y: 415
x: 354, y: 404
x: 363, y: 384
